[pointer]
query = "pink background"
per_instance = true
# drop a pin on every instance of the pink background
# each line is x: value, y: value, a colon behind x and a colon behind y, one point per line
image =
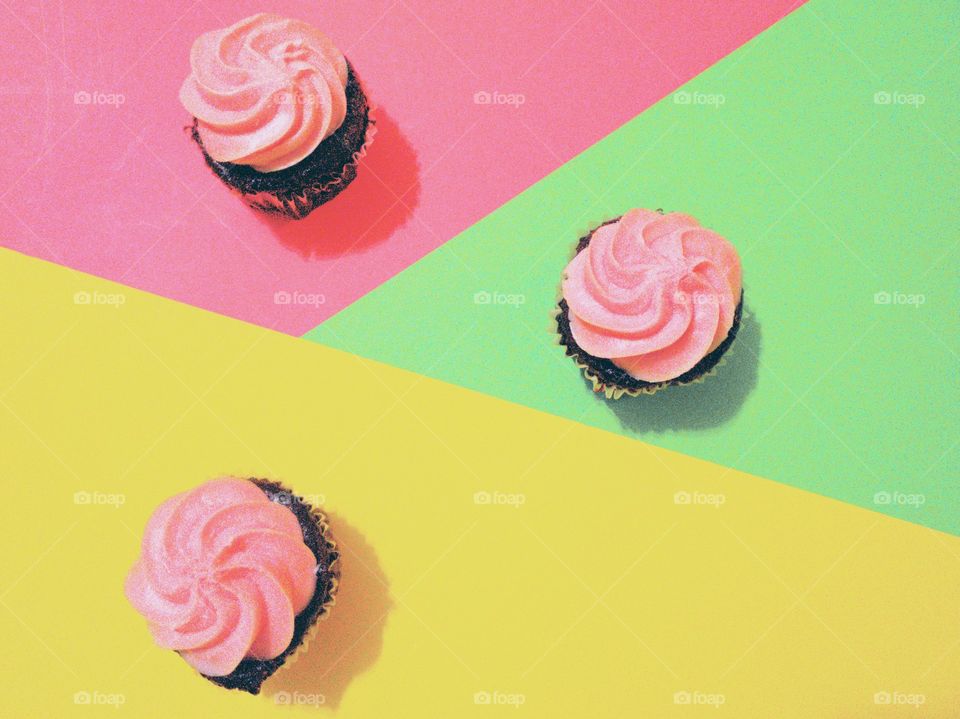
x: 120, y: 191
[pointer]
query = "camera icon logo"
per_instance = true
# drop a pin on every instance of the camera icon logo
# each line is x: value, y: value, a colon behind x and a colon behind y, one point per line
x: 682, y: 98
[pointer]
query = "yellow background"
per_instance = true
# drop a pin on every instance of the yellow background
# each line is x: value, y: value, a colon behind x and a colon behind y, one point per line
x: 600, y: 595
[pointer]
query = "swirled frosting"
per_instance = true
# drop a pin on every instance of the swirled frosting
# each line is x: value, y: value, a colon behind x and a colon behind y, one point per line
x: 265, y: 91
x: 221, y: 575
x: 653, y: 293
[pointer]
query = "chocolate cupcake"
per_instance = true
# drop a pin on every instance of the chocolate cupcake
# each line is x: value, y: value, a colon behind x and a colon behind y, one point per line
x: 279, y: 113
x: 233, y: 575
x: 648, y: 301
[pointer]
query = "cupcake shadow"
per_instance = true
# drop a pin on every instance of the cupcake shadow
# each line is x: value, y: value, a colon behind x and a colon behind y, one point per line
x: 703, y: 405
x: 379, y: 201
x: 349, y: 640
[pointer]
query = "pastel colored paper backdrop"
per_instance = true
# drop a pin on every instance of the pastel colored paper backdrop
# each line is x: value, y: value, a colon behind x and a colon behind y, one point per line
x: 119, y: 190
x: 826, y: 150
x: 497, y: 552
x: 492, y: 553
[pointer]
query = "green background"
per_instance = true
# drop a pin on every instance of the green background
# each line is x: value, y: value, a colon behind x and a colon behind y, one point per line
x: 830, y: 194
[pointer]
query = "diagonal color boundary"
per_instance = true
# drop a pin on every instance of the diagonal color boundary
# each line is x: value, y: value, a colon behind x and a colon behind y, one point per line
x: 502, y: 552
x: 798, y: 147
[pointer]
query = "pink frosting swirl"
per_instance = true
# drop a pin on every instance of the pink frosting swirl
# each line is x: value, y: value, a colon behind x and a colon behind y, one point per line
x: 221, y: 575
x: 653, y: 293
x: 265, y: 91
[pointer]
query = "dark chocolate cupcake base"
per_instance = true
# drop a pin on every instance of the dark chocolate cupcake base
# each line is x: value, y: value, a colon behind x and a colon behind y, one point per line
x: 614, y: 381
x: 251, y: 673
x: 296, y: 191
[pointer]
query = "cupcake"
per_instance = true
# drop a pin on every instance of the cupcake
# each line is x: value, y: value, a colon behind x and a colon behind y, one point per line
x: 649, y: 300
x: 233, y: 575
x: 279, y: 113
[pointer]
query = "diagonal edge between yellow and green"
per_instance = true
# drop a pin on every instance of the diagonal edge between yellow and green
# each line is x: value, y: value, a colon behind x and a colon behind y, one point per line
x: 504, y: 554
x: 826, y: 150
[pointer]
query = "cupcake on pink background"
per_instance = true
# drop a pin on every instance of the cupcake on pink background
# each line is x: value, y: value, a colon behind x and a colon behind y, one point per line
x: 279, y: 113
x: 649, y: 300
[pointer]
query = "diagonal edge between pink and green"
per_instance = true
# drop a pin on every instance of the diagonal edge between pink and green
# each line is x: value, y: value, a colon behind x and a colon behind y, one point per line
x: 826, y: 150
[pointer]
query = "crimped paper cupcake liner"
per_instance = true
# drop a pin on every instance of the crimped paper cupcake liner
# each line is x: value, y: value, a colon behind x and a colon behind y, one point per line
x: 250, y: 675
x: 302, y: 204
x: 295, y: 652
x: 615, y: 392
x: 563, y: 336
x: 290, y: 192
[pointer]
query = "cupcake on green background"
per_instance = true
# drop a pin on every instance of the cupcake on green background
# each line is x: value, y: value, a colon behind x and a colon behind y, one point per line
x: 648, y: 301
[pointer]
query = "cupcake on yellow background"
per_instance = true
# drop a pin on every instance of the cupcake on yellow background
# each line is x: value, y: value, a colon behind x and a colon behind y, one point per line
x: 233, y: 575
